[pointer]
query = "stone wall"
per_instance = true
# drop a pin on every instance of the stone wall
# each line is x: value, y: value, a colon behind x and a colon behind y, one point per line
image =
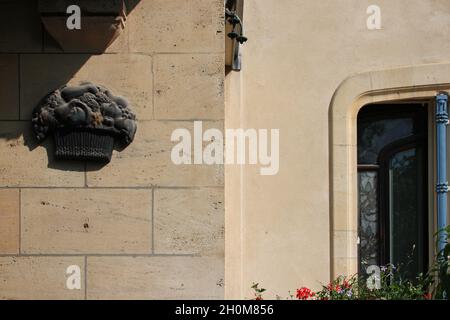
x: 140, y: 226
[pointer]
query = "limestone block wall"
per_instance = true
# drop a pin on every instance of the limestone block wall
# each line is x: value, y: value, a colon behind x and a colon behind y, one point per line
x: 139, y: 227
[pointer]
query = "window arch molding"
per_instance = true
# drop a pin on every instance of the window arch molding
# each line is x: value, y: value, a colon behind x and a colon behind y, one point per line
x: 391, y: 85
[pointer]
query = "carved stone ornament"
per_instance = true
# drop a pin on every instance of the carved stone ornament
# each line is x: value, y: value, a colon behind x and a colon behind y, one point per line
x: 102, y: 21
x: 86, y: 121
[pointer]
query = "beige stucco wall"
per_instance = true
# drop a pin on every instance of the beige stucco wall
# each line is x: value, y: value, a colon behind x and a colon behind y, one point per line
x: 139, y: 227
x: 298, y: 54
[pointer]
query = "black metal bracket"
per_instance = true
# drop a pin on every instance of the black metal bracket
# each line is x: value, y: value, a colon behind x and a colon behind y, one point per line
x: 237, y: 33
x: 233, y: 17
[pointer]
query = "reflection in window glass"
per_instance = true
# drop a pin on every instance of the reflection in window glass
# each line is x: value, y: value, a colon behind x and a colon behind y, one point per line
x: 404, y: 211
x: 368, y: 219
x: 374, y: 135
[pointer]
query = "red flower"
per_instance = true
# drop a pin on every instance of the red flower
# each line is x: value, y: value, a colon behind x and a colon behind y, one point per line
x: 427, y: 296
x: 331, y: 287
x: 339, y: 287
x: 304, y: 293
x: 345, y: 284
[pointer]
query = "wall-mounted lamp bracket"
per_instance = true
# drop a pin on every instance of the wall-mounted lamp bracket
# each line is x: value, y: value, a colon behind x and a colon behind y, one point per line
x: 234, y: 33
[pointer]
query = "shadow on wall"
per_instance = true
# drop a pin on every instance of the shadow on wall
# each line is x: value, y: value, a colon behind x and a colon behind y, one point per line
x: 32, y: 65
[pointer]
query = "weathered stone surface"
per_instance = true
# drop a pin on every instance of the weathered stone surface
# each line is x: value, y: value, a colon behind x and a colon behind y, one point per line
x: 147, y: 161
x: 59, y: 217
x: 189, y: 86
x: 40, y: 74
x: 9, y: 221
x: 23, y: 163
x: 96, y: 34
x: 189, y: 221
x: 21, y: 26
x: 155, y: 278
x: 86, y: 40
x: 86, y: 6
x: 86, y: 221
x: 9, y: 87
x: 119, y: 45
x: 177, y: 26
x: 126, y: 75
x: 38, y: 278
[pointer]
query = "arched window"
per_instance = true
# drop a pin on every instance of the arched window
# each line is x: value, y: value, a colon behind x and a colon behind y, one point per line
x: 393, y: 186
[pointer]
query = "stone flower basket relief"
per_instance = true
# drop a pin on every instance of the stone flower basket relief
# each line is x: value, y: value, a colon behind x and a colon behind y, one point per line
x: 86, y: 121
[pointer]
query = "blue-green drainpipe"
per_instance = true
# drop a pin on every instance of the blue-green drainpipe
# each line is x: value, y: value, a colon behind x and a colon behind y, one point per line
x: 441, y: 163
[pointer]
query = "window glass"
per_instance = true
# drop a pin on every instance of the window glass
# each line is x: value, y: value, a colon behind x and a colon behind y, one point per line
x: 368, y: 219
x: 375, y: 135
x: 404, y: 209
x: 392, y: 187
